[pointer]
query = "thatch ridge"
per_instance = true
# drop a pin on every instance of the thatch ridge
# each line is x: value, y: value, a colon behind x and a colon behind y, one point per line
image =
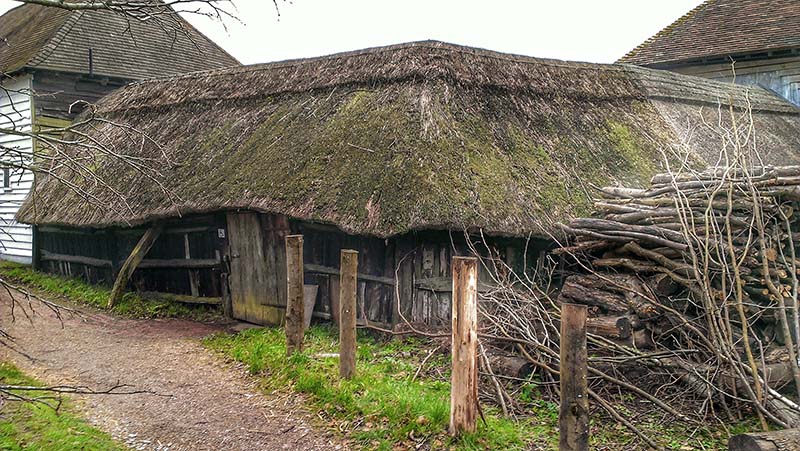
x: 415, y: 136
x: 429, y: 60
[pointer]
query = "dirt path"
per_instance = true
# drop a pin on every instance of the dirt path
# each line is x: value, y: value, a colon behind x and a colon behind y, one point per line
x: 211, y: 405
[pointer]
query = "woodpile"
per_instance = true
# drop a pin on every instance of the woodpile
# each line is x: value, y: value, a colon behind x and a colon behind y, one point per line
x: 786, y: 440
x: 703, y: 263
x: 643, y: 242
x: 691, y: 288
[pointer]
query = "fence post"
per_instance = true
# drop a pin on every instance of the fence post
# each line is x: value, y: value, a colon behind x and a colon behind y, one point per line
x: 348, y: 268
x: 464, y: 377
x: 295, y: 308
x: 573, y: 418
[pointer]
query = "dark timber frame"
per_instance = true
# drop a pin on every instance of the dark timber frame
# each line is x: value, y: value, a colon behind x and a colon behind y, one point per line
x: 238, y: 259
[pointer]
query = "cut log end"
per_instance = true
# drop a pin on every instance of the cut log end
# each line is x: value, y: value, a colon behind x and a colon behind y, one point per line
x: 785, y: 440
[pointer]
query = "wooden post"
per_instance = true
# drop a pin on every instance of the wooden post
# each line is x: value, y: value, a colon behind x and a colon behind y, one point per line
x: 348, y: 268
x: 464, y: 376
x: 194, y: 275
x: 133, y: 260
x: 36, y: 254
x: 573, y: 418
x: 227, y: 306
x: 295, y: 308
x: 112, y: 250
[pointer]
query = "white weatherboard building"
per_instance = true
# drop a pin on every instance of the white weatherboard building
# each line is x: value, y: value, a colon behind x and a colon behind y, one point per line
x: 15, y: 112
x: 50, y: 59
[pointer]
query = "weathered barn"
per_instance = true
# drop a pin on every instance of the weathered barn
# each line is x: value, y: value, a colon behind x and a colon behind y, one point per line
x: 53, y: 62
x: 754, y: 42
x: 392, y: 151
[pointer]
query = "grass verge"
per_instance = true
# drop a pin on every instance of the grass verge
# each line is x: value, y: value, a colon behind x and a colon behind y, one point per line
x: 26, y: 426
x: 384, y: 407
x: 389, y: 406
x: 131, y: 305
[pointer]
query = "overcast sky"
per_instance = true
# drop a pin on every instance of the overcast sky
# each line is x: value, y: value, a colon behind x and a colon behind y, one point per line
x: 582, y: 30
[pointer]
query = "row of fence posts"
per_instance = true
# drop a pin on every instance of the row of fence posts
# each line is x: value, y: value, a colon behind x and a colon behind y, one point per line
x: 574, y: 409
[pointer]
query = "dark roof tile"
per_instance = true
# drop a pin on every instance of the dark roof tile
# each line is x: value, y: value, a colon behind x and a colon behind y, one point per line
x: 25, y: 31
x: 720, y: 28
x: 51, y: 38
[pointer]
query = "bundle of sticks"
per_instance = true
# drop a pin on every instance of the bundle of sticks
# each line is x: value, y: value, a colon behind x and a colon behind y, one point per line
x: 703, y: 265
x: 691, y: 287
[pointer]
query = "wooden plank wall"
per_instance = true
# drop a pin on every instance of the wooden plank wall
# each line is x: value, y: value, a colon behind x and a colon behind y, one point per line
x: 112, y: 246
x: 415, y: 266
x: 96, y: 244
x: 322, y: 246
x: 58, y: 92
x: 424, y: 269
x: 781, y: 75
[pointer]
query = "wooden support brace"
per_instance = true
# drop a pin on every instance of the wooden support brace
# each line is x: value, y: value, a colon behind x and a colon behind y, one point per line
x: 464, y: 376
x: 295, y: 308
x: 137, y: 254
x: 347, y: 313
x: 573, y: 418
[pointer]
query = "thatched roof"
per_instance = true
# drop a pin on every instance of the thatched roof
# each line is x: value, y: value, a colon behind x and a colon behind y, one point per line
x: 43, y: 37
x: 416, y: 136
x: 721, y: 29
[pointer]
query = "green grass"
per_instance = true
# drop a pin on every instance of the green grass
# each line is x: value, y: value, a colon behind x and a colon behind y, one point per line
x: 385, y: 407
x: 82, y: 293
x: 26, y: 426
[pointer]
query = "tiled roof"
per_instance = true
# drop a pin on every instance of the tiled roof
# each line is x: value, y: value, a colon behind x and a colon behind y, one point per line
x: 24, y: 31
x: 720, y: 28
x: 50, y: 38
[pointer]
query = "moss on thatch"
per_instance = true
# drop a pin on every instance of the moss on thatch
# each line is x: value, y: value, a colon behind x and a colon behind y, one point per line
x: 383, y: 141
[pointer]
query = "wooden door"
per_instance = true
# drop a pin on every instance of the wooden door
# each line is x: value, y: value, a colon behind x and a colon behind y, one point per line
x: 255, y: 275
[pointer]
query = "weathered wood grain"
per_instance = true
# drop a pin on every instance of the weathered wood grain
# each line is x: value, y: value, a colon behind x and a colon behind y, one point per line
x: 464, y: 376
x: 573, y: 418
x: 133, y: 260
x: 785, y: 440
x: 182, y: 298
x: 347, y: 315
x: 295, y: 308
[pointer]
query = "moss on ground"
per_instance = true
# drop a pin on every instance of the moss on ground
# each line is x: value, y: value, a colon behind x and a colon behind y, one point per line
x: 26, y: 426
x: 392, y: 404
x: 79, y: 292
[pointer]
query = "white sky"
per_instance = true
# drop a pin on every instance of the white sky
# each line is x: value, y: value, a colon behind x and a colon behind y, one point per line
x: 582, y: 30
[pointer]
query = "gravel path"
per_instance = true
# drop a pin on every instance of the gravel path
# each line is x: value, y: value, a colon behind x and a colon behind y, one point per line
x: 207, y: 404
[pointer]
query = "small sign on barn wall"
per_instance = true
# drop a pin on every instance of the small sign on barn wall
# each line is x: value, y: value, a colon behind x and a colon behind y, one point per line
x: 220, y: 233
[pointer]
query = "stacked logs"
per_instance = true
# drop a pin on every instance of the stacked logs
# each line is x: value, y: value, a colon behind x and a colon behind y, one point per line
x: 696, y: 262
x: 645, y: 243
x: 690, y: 286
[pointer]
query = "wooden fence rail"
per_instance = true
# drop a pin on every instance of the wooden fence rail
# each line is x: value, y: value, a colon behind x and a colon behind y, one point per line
x: 147, y: 263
